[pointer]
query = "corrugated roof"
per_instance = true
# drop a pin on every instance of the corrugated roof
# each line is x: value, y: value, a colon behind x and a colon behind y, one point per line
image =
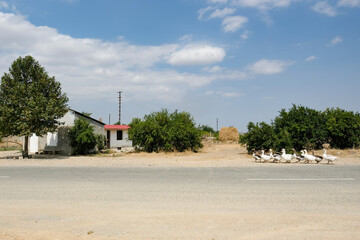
x: 116, y: 127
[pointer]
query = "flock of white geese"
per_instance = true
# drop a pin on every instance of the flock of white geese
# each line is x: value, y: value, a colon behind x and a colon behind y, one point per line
x: 288, y: 158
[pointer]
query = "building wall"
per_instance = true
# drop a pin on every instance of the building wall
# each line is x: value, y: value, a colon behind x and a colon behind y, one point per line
x: 114, y: 143
x: 59, y: 141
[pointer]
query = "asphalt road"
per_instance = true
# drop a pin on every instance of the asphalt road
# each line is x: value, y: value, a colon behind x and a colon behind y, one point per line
x: 262, y: 202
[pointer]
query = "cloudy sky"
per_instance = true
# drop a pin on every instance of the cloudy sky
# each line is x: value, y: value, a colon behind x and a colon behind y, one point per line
x: 235, y: 60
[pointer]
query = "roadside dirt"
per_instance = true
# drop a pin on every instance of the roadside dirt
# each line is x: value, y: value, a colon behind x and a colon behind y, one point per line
x: 212, y: 155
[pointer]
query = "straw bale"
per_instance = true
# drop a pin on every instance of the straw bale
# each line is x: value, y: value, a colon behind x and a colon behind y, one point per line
x: 229, y: 134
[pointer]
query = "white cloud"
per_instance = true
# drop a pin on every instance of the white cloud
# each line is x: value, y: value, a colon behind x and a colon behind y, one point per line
x: 245, y: 35
x: 214, y: 69
x: 222, y: 13
x: 187, y: 37
x: 203, y: 11
x: 223, y: 94
x: 311, y: 58
x: 233, y: 23
x: 217, y: 1
x: 324, y: 8
x: 335, y: 41
x: 266, y: 67
x: 231, y: 94
x: 197, y: 55
x: 92, y: 68
x: 263, y: 4
x: 349, y: 3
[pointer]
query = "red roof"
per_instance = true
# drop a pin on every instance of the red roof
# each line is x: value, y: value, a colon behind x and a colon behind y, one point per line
x: 116, y: 127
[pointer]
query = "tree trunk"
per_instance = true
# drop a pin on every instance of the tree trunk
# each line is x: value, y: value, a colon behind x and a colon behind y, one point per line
x: 26, y: 147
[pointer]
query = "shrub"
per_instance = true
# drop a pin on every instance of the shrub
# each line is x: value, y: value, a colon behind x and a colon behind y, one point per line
x: 301, y: 127
x: 259, y: 136
x: 164, y: 131
x: 82, y: 137
x: 343, y: 128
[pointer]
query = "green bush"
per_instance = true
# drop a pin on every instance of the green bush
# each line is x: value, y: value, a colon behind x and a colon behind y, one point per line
x: 164, y: 131
x: 343, y: 128
x: 301, y: 127
x: 83, y: 139
x: 100, y: 142
x: 259, y: 136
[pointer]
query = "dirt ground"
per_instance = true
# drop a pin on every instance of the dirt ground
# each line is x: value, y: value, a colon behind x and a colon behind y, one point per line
x: 212, y: 155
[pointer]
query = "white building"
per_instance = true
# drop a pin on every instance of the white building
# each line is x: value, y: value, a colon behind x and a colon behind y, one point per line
x: 117, y: 136
x: 59, y: 141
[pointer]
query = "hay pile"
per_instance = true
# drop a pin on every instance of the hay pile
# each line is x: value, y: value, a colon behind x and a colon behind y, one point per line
x: 228, y: 134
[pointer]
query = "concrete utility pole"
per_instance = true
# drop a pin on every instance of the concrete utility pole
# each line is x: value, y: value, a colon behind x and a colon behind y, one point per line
x: 217, y: 124
x: 120, y: 107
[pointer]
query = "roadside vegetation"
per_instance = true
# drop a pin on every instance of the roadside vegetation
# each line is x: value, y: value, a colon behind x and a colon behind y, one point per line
x: 302, y: 127
x: 30, y: 101
x: 165, y: 131
x: 83, y: 139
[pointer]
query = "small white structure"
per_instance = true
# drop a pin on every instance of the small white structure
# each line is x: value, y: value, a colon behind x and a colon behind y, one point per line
x: 59, y: 141
x: 118, y: 136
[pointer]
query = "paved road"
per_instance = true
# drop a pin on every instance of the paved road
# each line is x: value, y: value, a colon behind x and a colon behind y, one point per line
x: 263, y: 202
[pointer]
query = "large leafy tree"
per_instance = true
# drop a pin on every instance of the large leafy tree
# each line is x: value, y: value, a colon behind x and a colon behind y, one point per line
x: 343, y: 128
x: 164, y: 131
x: 306, y: 127
x: 30, y: 100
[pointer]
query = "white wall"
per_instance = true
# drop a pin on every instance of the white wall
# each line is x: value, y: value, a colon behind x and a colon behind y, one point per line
x: 119, y: 143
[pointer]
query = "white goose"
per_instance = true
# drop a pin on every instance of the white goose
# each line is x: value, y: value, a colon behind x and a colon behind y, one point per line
x: 309, y: 158
x: 286, y: 157
x: 275, y: 157
x: 329, y: 158
x: 265, y: 157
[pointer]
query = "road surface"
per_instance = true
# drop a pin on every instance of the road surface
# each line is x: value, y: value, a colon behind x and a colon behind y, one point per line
x: 261, y: 202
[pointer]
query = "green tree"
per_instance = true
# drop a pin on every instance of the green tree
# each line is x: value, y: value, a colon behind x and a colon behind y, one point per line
x: 259, y: 136
x: 82, y: 137
x: 343, y: 128
x: 30, y: 100
x: 304, y: 126
x: 206, y: 129
x: 164, y: 131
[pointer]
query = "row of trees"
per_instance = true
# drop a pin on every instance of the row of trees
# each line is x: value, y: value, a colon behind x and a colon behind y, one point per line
x: 302, y: 127
x: 31, y: 102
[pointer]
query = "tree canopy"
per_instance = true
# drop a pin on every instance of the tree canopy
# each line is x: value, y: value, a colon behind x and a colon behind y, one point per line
x: 30, y: 100
x: 302, y: 127
x: 164, y: 131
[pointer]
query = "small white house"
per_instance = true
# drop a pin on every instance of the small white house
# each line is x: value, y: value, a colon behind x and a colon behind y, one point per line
x: 59, y: 141
x: 118, y: 136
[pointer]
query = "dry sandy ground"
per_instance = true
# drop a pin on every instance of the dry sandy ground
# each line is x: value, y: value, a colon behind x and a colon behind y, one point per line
x: 212, y: 155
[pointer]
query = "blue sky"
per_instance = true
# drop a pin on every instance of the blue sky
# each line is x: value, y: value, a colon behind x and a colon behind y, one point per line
x: 236, y: 60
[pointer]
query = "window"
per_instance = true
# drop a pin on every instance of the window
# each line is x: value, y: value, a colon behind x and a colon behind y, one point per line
x: 119, y: 135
